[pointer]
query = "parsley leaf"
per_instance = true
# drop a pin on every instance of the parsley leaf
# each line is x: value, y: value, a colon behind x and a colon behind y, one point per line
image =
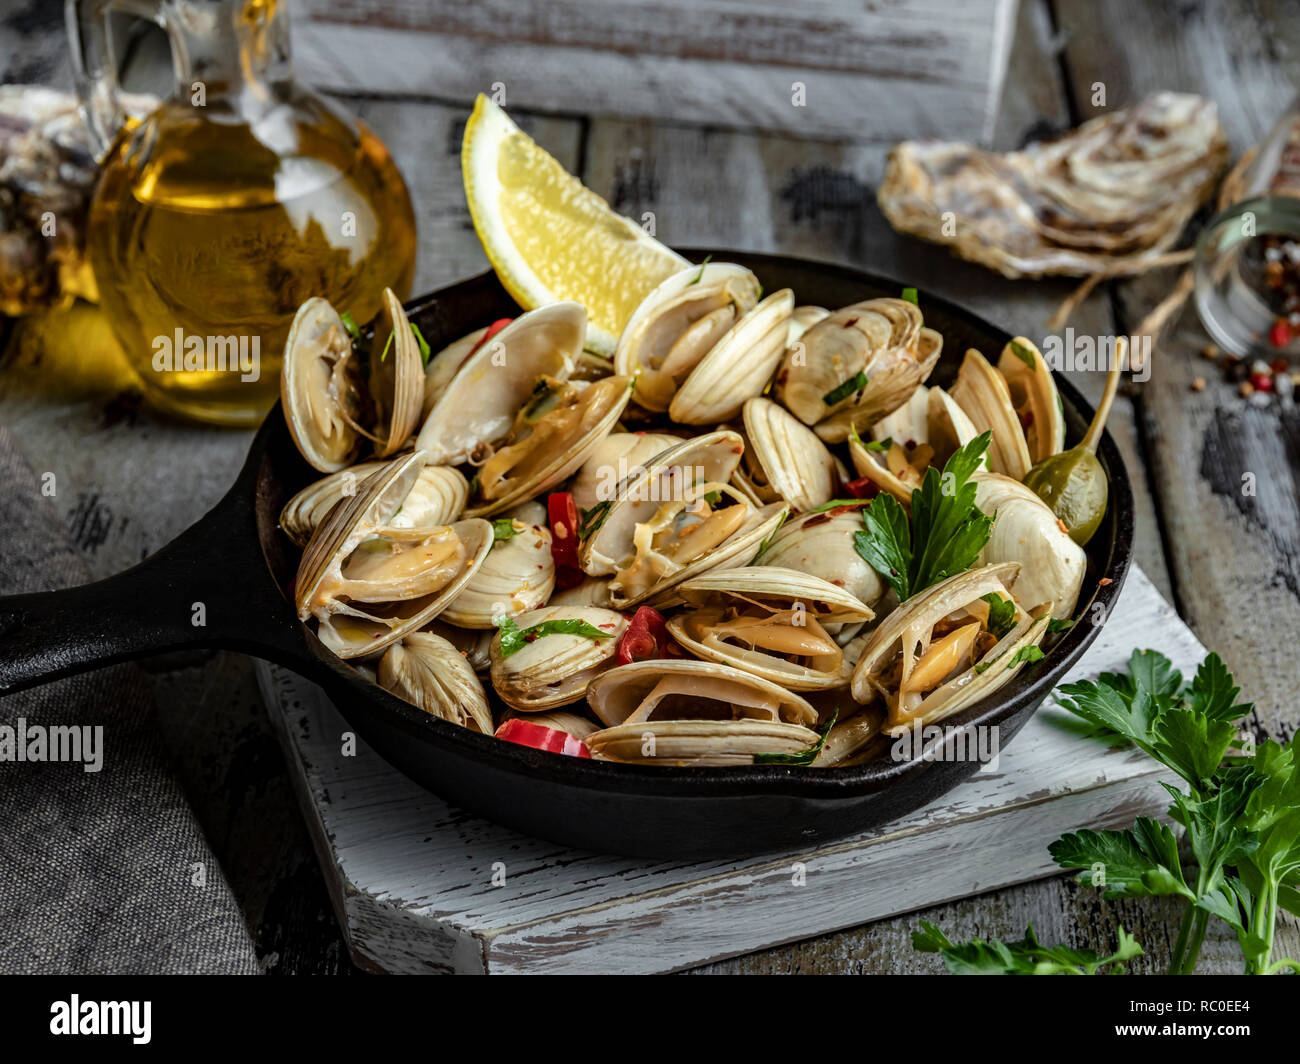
x: 1026, y: 957
x: 350, y: 323
x: 503, y: 528
x: 514, y: 638
x: 1002, y: 614
x: 1140, y: 861
x: 590, y: 520
x: 946, y: 533
x: 1023, y: 353
x: 1028, y: 654
x: 803, y: 757
x: 846, y: 388
x: 1059, y: 624
x: 425, y: 350
x: 909, y: 295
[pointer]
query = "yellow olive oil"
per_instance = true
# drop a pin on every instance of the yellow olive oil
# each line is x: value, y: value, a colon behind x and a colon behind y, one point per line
x: 206, y: 235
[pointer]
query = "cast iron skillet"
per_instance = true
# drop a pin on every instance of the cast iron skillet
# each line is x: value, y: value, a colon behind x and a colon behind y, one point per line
x: 237, y: 563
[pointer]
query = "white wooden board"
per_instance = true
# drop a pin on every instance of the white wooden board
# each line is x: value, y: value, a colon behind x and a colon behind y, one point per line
x: 413, y: 885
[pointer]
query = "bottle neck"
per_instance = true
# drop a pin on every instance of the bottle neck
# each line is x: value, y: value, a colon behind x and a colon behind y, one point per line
x: 230, y: 55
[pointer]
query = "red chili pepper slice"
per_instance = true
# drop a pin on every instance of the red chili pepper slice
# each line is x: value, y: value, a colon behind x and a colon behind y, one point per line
x: 646, y: 638
x: 492, y: 330
x: 540, y: 737
x: 563, y: 514
x: 862, y: 488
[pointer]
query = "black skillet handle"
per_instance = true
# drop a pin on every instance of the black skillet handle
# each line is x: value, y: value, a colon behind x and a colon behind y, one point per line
x: 207, y: 588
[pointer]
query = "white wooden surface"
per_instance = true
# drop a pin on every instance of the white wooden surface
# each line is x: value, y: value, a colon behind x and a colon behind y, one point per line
x: 880, y: 71
x: 412, y: 878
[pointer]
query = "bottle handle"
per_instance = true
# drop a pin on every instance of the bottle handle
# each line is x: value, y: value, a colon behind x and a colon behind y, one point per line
x: 94, y: 62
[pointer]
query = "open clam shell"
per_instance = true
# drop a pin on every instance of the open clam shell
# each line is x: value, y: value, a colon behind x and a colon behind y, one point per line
x: 481, y: 402
x: 428, y: 671
x: 437, y: 498
x: 770, y: 622
x: 554, y: 669
x: 925, y: 431
x: 318, y: 389
x: 878, y: 345
x: 786, y: 459
x: 678, y: 518
x: 821, y: 545
x: 396, y: 378
x: 738, y: 366
x: 935, y: 653
x: 1025, y: 530
x: 445, y: 364
x: 803, y: 318
x: 981, y: 391
x: 678, y: 323
x: 695, y: 713
x: 517, y: 575
x: 615, y: 458
x: 1034, y: 397
x: 543, y: 449
x: 367, y: 584
x: 670, y: 475
x: 853, y: 736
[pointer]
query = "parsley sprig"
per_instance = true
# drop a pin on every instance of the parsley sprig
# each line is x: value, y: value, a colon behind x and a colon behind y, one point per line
x: 1238, y: 816
x: 514, y: 638
x: 946, y: 533
x: 1026, y: 957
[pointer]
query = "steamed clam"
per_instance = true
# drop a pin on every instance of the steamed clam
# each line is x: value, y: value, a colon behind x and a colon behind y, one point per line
x: 678, y: 324
x: 557, y: 652
x: 676, y: 518
x: 941, y: 650
x: 327, y: 409
x: 925, y: 431
x: 695, y: 713
x: 769, y: 621
x: 368, y: 584
x: 661, y: 556
x: 856, y: 365
x: 428, y: 671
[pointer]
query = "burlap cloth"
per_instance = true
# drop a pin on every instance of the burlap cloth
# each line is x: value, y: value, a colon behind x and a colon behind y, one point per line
x: 106, y: 871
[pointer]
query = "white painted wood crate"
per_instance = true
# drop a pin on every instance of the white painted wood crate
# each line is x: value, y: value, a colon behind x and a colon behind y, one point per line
x: 419, y: 886
x: 883, y: 70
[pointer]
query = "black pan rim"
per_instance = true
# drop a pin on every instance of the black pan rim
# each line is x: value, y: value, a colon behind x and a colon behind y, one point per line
x: 830, y: 783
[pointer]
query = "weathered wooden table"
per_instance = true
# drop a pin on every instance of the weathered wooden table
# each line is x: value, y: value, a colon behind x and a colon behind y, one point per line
x: 1230, y: 562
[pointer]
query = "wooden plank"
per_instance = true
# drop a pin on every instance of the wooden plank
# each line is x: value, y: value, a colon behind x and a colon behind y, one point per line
x: 421, y: 885
x: 1234, y: 556
x: 708, y: 61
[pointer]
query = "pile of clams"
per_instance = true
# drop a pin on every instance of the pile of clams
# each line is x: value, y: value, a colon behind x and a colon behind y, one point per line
x: 652, y: 559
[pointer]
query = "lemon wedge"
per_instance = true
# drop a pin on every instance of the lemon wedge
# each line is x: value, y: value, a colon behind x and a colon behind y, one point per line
x: 551, y: 238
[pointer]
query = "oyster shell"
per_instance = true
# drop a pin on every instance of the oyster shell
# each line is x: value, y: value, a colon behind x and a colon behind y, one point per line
x: 1119, y: 189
